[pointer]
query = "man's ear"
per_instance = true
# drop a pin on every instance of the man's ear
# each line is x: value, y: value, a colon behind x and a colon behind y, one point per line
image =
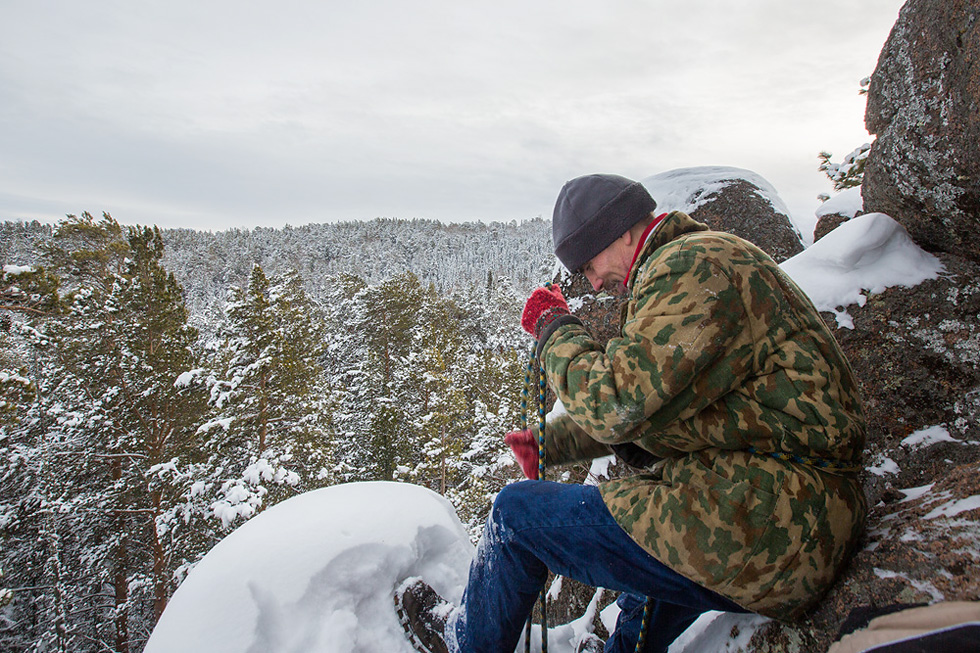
x: 628, y: 237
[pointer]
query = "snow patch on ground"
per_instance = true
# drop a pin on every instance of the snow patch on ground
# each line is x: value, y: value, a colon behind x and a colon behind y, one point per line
x: 599, y: 469
x: 884, y: 465
x: 928, y: 436
x: 713, y: 632
x: 953, y: 508
x: 922, y: 586
x: 913, y: 493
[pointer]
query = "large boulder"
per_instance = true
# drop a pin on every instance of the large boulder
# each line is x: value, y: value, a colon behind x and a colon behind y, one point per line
x: 916, y: 353
x: 924, y: 107
x: 733, y: 200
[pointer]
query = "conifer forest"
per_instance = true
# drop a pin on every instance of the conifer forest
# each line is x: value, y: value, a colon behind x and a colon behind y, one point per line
x: 159, y: 388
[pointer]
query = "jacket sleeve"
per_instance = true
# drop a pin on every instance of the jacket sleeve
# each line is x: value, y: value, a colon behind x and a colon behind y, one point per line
x: 685, y: 343
x: 567, y: 442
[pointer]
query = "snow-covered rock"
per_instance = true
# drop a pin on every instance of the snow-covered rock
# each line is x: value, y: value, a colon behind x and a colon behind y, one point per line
x: 862, y: 256
x: 733, y: 200
x: 315, y: 574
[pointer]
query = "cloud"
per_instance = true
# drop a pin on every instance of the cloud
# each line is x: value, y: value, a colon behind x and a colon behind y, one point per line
x: 219, y: 114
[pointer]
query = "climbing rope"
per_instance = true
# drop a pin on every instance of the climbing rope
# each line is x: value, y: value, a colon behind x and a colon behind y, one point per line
x: 535, y: 367
x: 810, y: 461
x: 641, y: 640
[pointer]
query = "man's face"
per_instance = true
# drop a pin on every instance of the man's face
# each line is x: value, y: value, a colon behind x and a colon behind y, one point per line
x: 607, y: 270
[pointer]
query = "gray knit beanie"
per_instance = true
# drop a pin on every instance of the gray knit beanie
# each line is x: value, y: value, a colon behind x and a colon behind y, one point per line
x: 593, y: 211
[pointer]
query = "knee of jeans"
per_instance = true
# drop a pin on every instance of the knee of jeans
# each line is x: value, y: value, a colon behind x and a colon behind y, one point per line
x: 510, y: 505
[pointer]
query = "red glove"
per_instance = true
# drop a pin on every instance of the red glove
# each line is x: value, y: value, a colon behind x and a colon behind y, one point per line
x: 525, y: 450
x: 542, y: 307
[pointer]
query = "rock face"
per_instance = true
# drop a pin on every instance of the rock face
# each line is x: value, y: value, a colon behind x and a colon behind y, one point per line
x: 916, y: 354
x: 924, y: 107
x: 828, y: 223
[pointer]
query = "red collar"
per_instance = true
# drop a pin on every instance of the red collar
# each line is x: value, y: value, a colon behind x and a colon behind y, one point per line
x: 641, y: 243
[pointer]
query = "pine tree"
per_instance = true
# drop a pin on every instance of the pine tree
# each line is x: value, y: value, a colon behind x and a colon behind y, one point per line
x: 265, y: 409
x: 341, y: 386
x: 436, y: 364
x: 386, y: 315
x: 114, y: 413
x: 28, y: 291
x: 849, y: 173
x: 156, y: 350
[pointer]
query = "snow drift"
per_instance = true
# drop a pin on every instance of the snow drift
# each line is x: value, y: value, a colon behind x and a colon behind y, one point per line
x: 865, y: 255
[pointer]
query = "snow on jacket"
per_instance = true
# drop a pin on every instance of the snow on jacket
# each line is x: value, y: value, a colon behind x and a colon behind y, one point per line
x: 722, y: 361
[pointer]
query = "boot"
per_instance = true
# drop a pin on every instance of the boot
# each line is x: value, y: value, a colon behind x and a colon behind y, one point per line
x: 423, y: 615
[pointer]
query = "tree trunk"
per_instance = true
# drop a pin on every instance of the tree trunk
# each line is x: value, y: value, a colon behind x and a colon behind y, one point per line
x: 120, y: 581
x: 263, y: 415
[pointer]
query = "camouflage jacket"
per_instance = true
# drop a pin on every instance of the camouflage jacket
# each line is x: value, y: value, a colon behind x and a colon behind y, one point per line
x: 722, y: 362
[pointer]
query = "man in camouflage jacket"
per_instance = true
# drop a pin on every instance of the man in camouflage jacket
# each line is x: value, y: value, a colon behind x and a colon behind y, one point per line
x: 727, y: 388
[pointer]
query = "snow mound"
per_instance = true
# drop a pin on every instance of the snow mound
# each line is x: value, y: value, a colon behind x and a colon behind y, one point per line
x: 867, y: 254
x: 316, y: 573
x: 848, y: 202
x: 686, y: 189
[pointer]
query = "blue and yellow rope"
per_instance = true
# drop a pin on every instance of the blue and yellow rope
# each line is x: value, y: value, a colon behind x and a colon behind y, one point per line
x: 535, y: 366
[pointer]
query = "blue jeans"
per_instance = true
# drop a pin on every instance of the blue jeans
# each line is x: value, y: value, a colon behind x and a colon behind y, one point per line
x: 535, y: 526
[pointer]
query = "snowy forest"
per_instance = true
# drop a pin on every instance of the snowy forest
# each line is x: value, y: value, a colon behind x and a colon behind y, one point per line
x: 159, y: 388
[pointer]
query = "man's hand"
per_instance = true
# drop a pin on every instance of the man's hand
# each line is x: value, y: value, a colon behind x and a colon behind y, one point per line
x: 544, y: 305
x: 525, y: 450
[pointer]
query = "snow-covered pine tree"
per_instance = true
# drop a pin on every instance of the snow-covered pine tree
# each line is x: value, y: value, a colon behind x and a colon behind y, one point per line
x: 111, y: 413
x: 490, y: 375
x: 160, y: 414
x: 386, y: 316
x: 305, y: 414
x: 17, y: 394
x: 849, y: 173
x: 340, y: 387
x: 444, y: 419
x: 27, y: 290
x: 269, y: 432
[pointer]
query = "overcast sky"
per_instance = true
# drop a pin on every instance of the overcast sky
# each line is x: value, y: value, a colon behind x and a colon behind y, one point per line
x: 212, y: 114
